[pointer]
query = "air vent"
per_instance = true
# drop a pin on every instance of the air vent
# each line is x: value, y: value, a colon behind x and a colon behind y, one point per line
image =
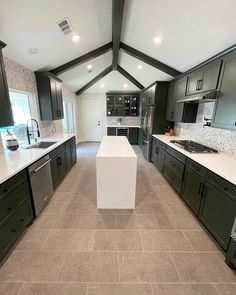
x: 65, y: 26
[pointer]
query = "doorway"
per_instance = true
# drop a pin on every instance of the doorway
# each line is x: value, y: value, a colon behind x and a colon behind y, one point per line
x: 92, y: 119
x: 68, y: 121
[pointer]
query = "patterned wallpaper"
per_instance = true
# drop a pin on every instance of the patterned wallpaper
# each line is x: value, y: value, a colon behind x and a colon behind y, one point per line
x: 220, y: 139
x: 23, y: 79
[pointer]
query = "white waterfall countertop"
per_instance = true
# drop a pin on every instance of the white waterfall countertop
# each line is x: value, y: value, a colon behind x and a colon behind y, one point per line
x: 12, y: 162
x: 221, y: 164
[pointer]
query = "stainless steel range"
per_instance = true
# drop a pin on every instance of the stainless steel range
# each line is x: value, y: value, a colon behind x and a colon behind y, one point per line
x: 193, y: 147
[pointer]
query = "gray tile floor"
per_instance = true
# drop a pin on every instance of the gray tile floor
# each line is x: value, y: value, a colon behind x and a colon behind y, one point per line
x: 74, y: 249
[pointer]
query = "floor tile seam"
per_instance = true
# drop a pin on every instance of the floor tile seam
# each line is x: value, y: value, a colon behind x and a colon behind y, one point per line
x: 124, y: 282
x: 93, y: 241
x: 61, y: 266
x: 21, y: 288
x: 217, y: 290
x: 47, y: 237
x: 171, y: 257
x: 186, y: 237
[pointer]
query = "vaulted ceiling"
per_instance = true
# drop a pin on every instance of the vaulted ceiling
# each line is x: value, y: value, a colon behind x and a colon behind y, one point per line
x: 191, y: 31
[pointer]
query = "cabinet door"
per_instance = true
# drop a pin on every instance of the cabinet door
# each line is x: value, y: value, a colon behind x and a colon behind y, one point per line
x: 6, y: 118
x: 73, y: 151
x: 217, y: 213
x: 133, y: 135
x: 62, y: 164
x: 194, y: 82
x: 170, y: 108
x: 225, y: 115
x: 53, y: 90
x: 111, y: 131
x: 179, y: 92
x: 68, y: 155
x: 60, y: 114
x: 154, y: 151
x: 192, y: 188
x: 119, y: 106
x: 211, y: 75
x: 160, y: 159
x: 55, y: 172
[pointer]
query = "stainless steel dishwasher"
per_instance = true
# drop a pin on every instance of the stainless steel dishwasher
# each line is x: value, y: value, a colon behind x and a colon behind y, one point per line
x: 41, y: 183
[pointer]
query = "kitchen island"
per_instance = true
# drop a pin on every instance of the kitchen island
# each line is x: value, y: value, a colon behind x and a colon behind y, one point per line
x: 116, y: 169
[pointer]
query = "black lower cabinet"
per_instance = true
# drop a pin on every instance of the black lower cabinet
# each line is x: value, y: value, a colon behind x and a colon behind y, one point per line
x: 217, y: 213
x: 158, y: 154
x: 133, y: 134
x: 194, y: 179
x: 15, y: 210
x: 62, y: 160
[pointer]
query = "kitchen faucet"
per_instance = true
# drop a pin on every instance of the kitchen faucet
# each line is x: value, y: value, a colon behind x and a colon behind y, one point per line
x: 32, y: 131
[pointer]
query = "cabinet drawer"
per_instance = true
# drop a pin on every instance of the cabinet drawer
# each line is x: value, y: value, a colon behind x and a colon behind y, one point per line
x: 175, y: 165
x: 196, y: 167
x: 16, y: 224
x: 160, y: 143
x: 57, y: 151
x: 174, y: 180
x: 12, y: 199
x: 176, y: 154
x: 6, y: 186
x: 222, y: 184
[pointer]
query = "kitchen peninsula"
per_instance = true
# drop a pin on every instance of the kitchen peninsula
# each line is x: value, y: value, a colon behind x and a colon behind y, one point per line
x: 116, y: 168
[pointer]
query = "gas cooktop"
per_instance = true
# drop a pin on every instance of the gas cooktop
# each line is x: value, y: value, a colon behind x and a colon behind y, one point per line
x: 193, y: 147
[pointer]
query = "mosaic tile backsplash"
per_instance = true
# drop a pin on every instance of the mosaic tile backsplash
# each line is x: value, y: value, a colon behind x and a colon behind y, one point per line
x: 132, y: 121
x: 222, y: 140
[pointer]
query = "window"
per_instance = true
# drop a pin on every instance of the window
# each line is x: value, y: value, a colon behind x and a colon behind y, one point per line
x: 68, y: 121
x: 20, y: 105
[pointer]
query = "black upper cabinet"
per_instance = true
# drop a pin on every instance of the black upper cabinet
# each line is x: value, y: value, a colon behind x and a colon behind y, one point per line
x: 122, y: 104
x: 204, y: 79
x: 6, y: 117
x: 170, y: 108
x: 50, y: 96
x: 225, y: 114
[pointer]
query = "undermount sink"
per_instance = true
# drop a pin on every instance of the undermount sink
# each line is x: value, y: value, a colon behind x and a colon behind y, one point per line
x: 42, y: 145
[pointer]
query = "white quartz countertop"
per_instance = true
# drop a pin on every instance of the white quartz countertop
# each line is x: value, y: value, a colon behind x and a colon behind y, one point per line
x: 115, y: 146
x: 12, y: 162
x: 221, y: 164
x: 125, y: 126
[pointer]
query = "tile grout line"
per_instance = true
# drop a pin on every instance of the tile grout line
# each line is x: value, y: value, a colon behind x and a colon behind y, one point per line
x: 63, y: 260
x: 21, y: 288
x: 171, y: 257
x: 217, y: 290
x: 186, y: 237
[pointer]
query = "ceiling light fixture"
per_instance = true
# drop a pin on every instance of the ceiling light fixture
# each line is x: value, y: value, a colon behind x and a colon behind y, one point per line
x: 139, y: 67
x: 89, y: 67
x: 102, y: 85
x: 125, y: 86
x: 157, y: 40
x: 76, y: 38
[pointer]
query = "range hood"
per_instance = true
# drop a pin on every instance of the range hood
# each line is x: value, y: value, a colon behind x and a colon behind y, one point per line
x: 200, y: 97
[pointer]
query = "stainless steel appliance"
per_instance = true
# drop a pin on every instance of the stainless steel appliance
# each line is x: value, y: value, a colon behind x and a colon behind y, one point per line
x: 41, y: 183
x: 193, y: 147
x: 231, y: 253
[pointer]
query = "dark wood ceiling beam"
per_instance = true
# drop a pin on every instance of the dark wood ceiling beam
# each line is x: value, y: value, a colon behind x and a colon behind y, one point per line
x: 94, y: 80
x: 82, y: 59
x: 129, y: 77
x: 117, y: 17
x: 149, y: 60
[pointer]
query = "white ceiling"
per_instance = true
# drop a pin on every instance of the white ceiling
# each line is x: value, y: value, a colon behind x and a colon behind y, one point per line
x: 28, y: 24
x: 79, y: 76
x: 191, y: 32
x: 114, y: 81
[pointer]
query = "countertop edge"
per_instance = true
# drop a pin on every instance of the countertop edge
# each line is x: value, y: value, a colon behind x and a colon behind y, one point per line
x: 166, y: 139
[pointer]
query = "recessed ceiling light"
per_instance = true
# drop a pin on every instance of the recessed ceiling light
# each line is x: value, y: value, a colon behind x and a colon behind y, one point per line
x: 140, y: 67
x: 102, y: 85
x: 75, y: 38
x: 125, y: 85
x: 89, y: 67
x: 33, y: 51
x: 157, y: 40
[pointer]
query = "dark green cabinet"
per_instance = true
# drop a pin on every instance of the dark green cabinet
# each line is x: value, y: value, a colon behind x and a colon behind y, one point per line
x: 50, y: 96
x: 204, y: 79
x: 58, y: 165
x: 158, y: 154
x: 133, y: 133
x: 70, y: 147
x: 193, y: 183
x: 122, y: 104
x: 6, y: 117
x: 217, y: 213
x: 16, y: 210
x: 170, y: 108
x: 225, y: 114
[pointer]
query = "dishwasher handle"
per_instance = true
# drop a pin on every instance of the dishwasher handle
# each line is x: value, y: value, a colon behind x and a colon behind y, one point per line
x: 40, y: 167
